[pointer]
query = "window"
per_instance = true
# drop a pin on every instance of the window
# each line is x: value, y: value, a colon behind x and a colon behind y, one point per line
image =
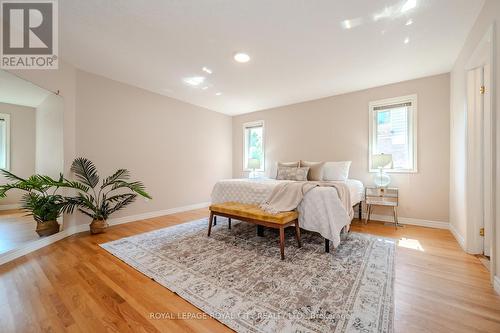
x: 4, y: 141
x: 393, y: 130
x: 253, y: 134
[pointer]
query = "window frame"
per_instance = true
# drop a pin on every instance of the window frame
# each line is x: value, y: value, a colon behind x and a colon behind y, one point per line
x: 6, y: 118
x: 412, y: 130
x: 247, y: 125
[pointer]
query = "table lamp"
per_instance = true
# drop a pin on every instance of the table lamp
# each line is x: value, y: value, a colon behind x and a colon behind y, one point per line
x: 381, y: 161
x: 253, y: 164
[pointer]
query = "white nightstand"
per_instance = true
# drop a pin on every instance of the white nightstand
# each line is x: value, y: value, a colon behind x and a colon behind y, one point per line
x: 382, y: 197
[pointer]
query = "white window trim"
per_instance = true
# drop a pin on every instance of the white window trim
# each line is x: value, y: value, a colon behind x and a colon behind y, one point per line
x: 412, y: 123
x: 6, y: 118
x: 248, y: 125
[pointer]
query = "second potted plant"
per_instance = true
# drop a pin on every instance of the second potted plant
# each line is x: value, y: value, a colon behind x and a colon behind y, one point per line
x: 99, y: 201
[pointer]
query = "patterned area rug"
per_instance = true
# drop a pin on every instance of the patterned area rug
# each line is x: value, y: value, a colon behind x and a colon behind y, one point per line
x: 238, y: 278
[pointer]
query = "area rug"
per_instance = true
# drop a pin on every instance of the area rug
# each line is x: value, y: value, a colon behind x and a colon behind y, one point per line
x: 238, y: 278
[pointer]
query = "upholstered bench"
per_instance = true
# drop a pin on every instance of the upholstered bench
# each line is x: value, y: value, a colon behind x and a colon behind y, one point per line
x: 253, y: 214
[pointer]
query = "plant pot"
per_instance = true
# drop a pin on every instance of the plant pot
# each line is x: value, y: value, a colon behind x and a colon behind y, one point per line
x: 98, y: 226
x: 47, y: 228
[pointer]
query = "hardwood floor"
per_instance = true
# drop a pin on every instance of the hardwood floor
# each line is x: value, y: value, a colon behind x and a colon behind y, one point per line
x: 75, y: 286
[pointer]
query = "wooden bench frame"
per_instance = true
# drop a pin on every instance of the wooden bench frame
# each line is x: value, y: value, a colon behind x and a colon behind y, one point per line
x: 259, y: 223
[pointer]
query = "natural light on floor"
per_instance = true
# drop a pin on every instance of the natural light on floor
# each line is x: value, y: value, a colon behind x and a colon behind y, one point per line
x: 410, y: 244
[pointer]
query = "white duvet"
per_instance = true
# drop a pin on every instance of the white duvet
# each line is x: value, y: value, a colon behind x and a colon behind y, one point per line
x: 321, y: 210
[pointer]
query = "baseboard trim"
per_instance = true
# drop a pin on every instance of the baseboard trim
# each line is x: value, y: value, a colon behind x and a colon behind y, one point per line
x: 460, y: 239
x: 411, y: 221
x: 150, y: 215
x: 42, y: 242
x: 9, y: 207
x: 496, y: 284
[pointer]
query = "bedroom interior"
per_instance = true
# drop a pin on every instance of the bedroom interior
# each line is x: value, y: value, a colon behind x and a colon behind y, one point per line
x: 253, y: 167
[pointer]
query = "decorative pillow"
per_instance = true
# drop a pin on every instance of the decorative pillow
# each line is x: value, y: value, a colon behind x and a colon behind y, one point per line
x: 290, y: 173
x: 336, y: 170
x: 274, y: 169
x: 315, y: 169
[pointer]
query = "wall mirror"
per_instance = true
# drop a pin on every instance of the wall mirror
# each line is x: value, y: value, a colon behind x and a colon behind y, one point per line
x: 31, y: 142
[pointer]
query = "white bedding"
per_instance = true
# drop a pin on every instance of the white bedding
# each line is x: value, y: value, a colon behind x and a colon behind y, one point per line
x: 321, y: 210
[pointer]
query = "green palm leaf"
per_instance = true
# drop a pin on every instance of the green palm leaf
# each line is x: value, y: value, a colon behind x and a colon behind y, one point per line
x: 85, y: 171
x: 119, y: 175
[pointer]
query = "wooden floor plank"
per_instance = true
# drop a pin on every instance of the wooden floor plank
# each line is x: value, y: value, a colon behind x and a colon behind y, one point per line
x: 76, y: 286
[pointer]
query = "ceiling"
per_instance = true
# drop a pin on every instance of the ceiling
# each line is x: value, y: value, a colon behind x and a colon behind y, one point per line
x: 300, y: 50
x: 14, y: 90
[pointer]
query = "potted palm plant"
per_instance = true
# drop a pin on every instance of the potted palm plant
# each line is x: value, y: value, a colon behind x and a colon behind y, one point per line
x: 99, y: 201
x: 41, y: 199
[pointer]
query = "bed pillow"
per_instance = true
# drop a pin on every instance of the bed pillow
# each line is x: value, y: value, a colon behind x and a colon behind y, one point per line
x: 291, y: 173
x: 289, y: 164
x: 315, y: 169
x: 336, y: 170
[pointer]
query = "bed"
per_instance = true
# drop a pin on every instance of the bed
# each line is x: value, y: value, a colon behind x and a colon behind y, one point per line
x: 322, y: 210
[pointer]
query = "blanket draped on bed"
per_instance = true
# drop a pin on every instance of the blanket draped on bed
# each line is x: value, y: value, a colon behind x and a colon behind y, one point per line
x: 286, y: 196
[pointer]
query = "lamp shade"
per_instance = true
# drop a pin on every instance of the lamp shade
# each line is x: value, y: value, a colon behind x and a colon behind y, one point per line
x: 381, y: 161
x: 253, y: 163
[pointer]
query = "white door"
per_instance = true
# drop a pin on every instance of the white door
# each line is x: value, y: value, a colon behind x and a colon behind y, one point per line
x: 479, y: 151
x: 475, y: 163
x: 488, y: 128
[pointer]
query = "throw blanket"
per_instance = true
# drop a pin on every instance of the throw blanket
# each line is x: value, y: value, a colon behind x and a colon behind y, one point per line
x: 286, y: 197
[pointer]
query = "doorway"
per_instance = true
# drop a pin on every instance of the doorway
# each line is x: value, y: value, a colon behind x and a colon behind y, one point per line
x: 481, y: 151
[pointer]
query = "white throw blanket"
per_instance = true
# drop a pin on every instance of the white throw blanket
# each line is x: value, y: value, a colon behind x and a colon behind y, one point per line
x: 286, y: 197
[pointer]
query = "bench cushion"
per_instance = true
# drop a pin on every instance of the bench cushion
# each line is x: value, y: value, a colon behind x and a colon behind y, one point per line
x: 253, y: 212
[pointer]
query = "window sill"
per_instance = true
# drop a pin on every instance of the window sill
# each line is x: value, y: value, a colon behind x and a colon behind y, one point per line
x: 394, y: 171
x: 251, y: 170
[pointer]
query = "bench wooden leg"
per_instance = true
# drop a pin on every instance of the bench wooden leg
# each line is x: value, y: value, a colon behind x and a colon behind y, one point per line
x: 229, y: 222
x: 215, y: 220
x: 297, y: 233
x: 260, y: 230
x: 210, y: 223
x: 327, y: 245
x: 282, y: 243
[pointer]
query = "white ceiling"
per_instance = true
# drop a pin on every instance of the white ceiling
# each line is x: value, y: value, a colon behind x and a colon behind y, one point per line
x: 14, y: 90
x: 300, y: 50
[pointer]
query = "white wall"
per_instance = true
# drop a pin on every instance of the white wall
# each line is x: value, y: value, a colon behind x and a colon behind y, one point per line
x: 177, y: 149
x: 336, y: 128
x: 489, y: 15
x: 49, y: 136
x: 22, y: 146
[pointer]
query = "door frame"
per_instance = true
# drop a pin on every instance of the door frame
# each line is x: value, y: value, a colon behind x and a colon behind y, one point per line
x: 484, y: 56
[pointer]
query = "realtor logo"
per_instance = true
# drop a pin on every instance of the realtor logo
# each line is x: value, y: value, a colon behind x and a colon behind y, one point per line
x: 29, y: 34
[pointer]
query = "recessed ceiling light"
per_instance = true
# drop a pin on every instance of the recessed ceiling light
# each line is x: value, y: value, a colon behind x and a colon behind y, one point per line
x: 194, y: 81
x: 352, y: 23
x: 409, y: 4
x: 218, y: 93
x: 204, y: 88
x: 241, y: 57
x: 207, y: 70
x: 346, y: 24
x: 407, y: 40
x: 409, y: 22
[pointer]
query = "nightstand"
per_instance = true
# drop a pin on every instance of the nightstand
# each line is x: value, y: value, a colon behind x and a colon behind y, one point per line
x: 382, y: 197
